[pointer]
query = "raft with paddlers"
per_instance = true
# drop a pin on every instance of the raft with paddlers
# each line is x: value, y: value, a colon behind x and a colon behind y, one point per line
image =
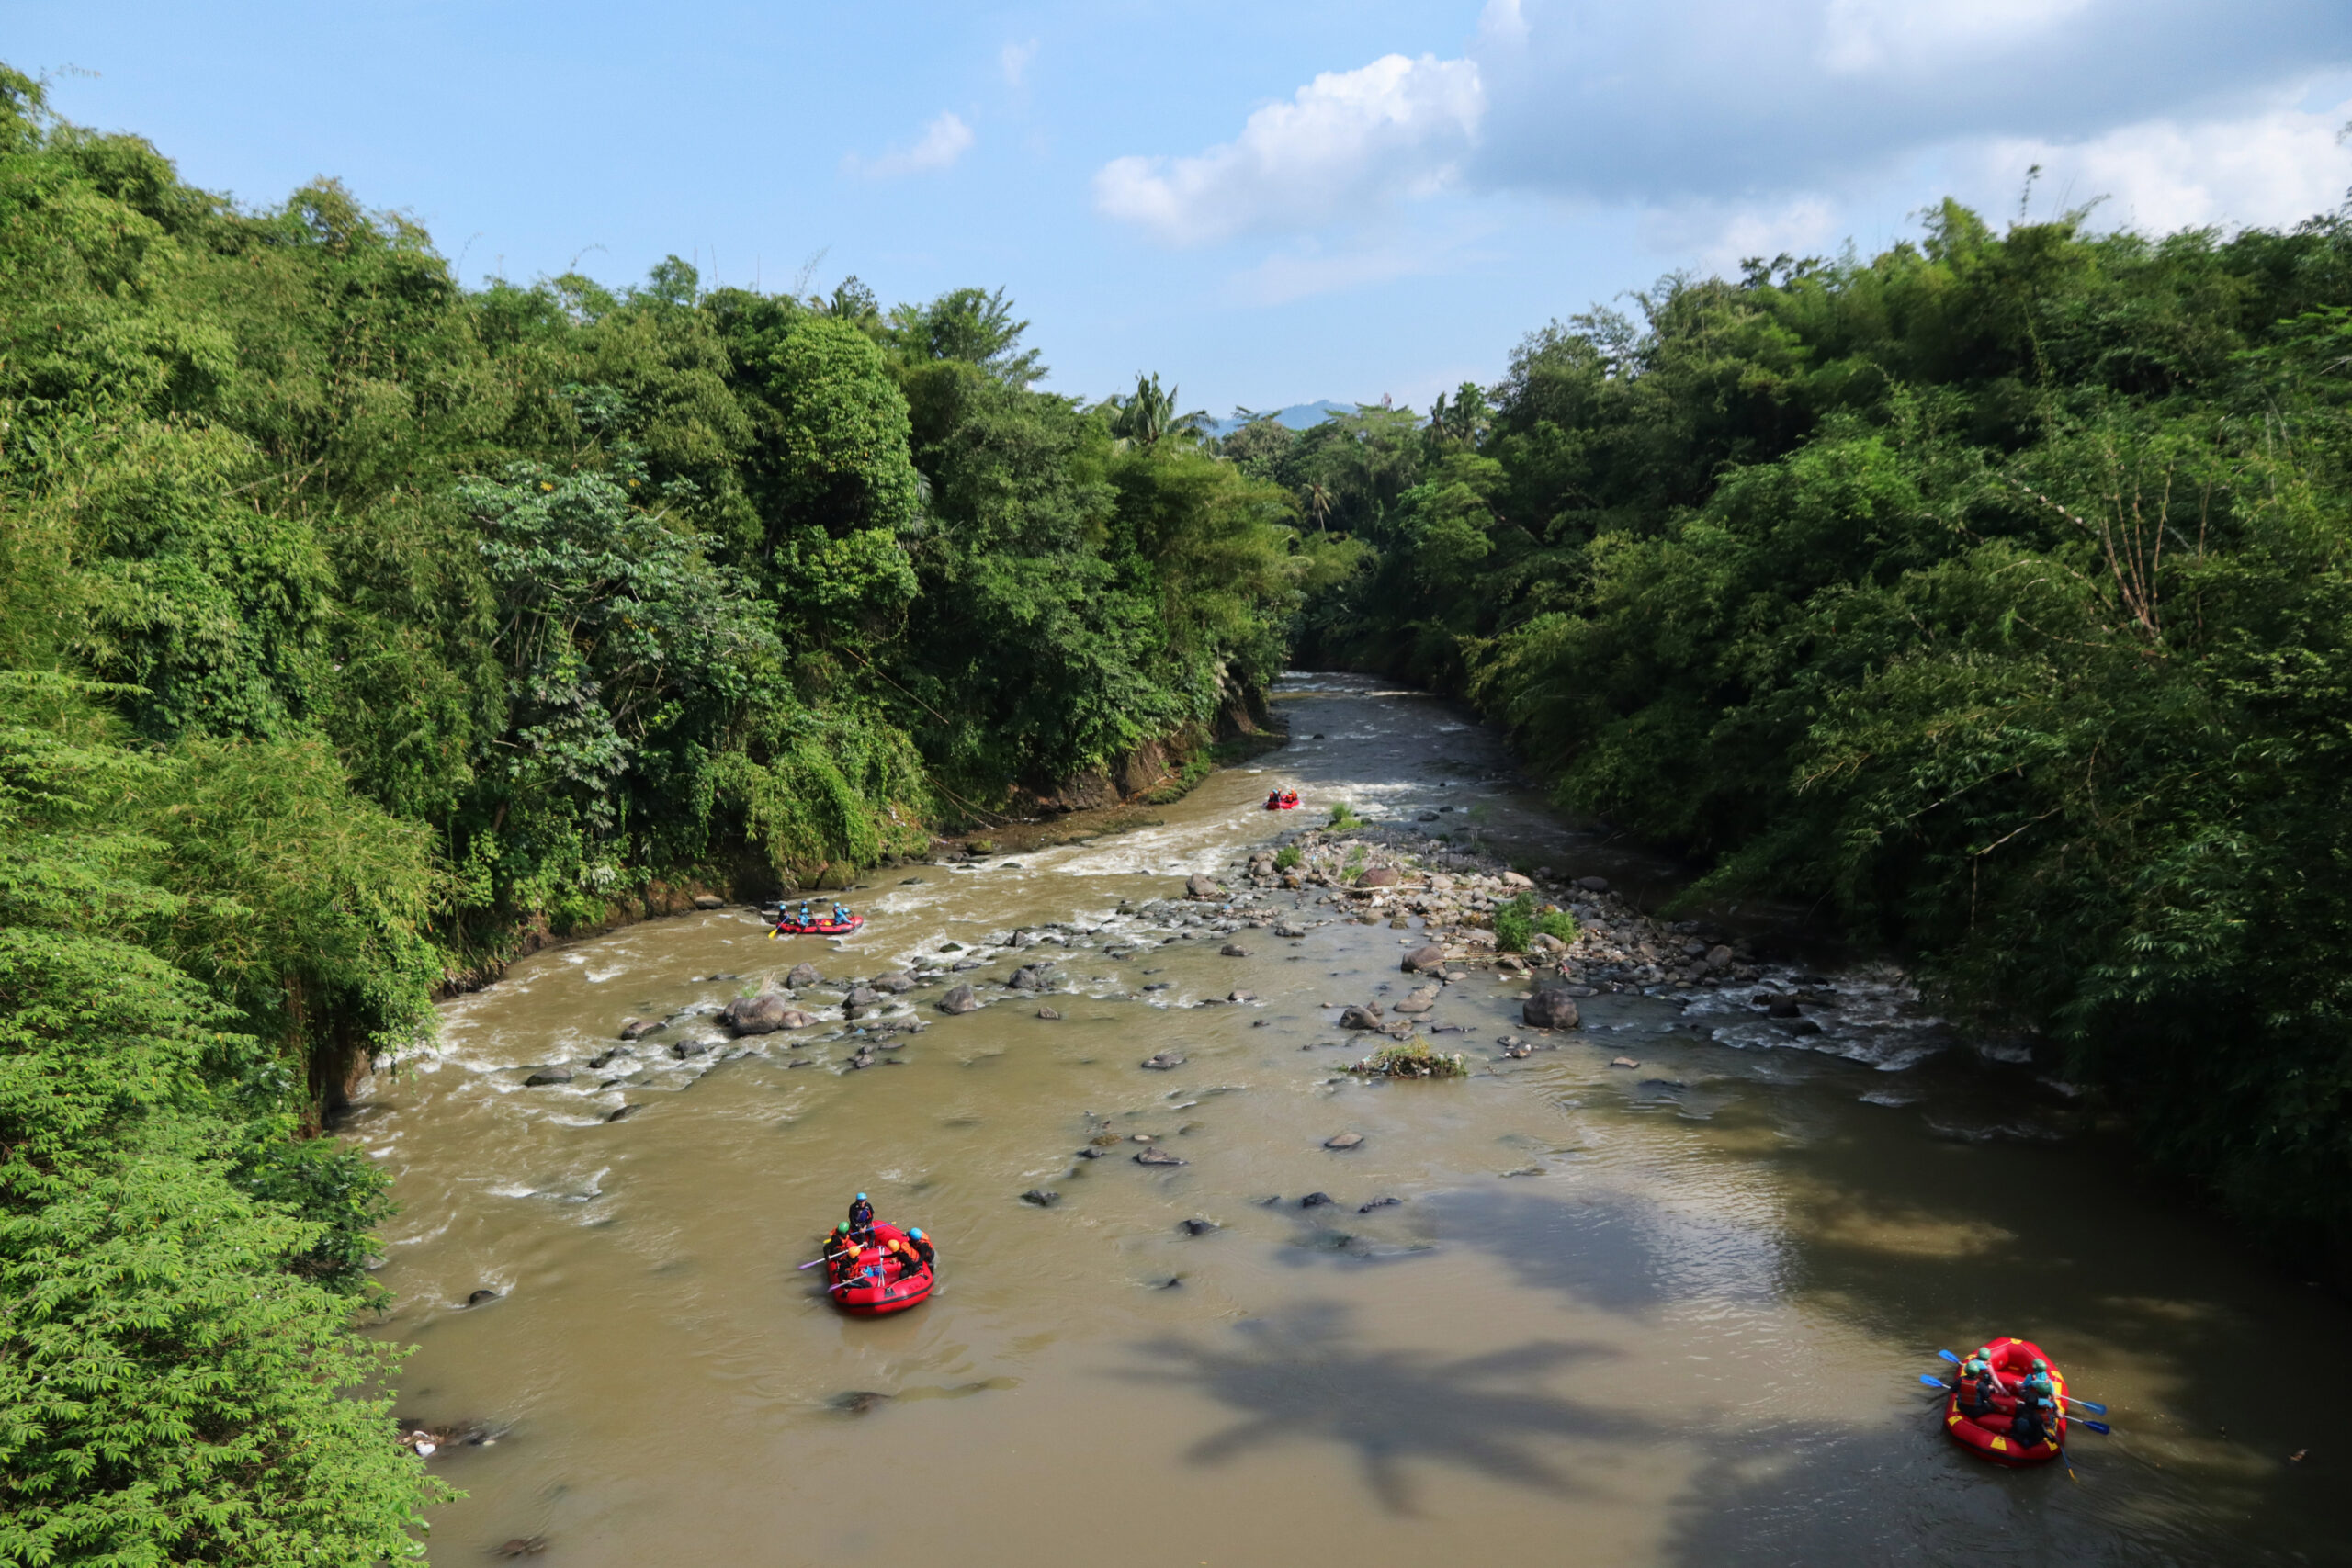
x: 874, y: 1279
x: 1282, y: 800
x: 2008, y: 1403
x: 790, y: 927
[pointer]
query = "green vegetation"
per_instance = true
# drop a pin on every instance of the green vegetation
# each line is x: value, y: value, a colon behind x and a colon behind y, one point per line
x: 1518, y: 922
x: 1412, y: 1059
x: 1991, y: 591
x: 353, y: 624
x: 1343, y: 817
x: 1288, y: 858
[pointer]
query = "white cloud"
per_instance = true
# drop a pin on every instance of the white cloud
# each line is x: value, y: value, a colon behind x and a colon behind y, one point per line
x: 1014, y: 60
x: 1715, y: 238
x: 1347, y: 142
x: 1872, y: 35
x: 2269, y: 169
x: 943, y: 142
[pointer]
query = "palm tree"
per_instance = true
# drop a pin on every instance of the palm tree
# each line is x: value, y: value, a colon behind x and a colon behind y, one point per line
x: 1319, y: 504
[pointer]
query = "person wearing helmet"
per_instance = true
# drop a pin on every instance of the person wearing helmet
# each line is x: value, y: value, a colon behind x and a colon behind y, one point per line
x: 1976, y: 1384
x: 860, y: 1218
x: 2037, y: 1387
x: 839, y: 1248
x: 926, y: 1254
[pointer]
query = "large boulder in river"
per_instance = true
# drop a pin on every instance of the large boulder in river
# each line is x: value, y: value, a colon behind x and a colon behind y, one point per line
x: 1428, y: 957
x: 1360, y: 1018
x: 897, y: 982
x: 1379, y: 876
x: 959, y: 999
x: 1551, y: 1007
x: 763, y: 1014
x: 803, y: 975
x: 1200, y: 886
x: 1033, y: 977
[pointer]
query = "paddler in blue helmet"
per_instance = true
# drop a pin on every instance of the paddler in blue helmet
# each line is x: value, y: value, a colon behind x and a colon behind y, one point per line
x: 861, y: 1218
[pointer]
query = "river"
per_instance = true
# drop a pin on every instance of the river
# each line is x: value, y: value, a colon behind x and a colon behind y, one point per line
x: 1668, y: 1316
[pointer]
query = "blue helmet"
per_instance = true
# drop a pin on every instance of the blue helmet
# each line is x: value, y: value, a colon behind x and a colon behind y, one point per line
x: 916, y: 1232
x: 861, y: 1197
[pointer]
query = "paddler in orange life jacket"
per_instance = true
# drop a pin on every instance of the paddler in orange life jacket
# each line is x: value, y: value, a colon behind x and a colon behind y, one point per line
x: 919, y: 1245
x: 838, y: 1247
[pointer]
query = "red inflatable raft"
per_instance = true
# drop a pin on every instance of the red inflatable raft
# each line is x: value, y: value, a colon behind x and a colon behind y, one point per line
x: 878, y: 1288
x: 1282, y: 800
x: 1988, y: 1434
x: 818, y: 928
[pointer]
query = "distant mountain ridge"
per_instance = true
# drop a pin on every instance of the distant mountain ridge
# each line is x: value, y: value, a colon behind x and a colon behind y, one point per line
x: 1298, y: 416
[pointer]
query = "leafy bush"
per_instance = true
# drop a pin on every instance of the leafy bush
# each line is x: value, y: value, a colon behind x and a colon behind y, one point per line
x: 1288, y: 858
x: 1343, y: 817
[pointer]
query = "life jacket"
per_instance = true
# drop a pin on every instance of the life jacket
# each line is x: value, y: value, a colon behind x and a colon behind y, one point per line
x: 923, y: 1249
x: 861, y: 1216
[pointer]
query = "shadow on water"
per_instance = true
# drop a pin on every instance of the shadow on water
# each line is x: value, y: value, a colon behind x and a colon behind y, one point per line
x: 1612, y: 1251
x: 1303, y: 1376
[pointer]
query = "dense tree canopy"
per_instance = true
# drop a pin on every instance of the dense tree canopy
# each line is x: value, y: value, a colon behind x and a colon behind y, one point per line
x: 353, y: 622
x: 1992, y: 592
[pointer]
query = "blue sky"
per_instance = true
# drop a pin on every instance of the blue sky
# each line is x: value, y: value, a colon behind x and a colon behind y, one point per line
x: 1266, y: 202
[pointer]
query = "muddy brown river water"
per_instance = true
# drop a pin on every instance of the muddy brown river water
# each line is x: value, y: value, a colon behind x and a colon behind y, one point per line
x: 1668, y: 1316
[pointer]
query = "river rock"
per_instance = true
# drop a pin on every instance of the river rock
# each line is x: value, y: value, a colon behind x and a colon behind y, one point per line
x: 1049, y: 1012
x: 1379, y: 1204
x: 763, y: 1014
x: 1041, y: 1197
x: 897, y: 982
x: 1361, y: 1018
x: 624, y: 1112
x: 1032, y: 978
x: 1550, y: 1007
x: 1343, y: 1140
x: 1157, y: 1157
x: 1315, y: 1201
x: 860, y: 997
x: 1286, y: 928
x: 1513, y: 879
x: 959, y: 999
x: 1233, y: 950
x: 802, y: 976
x: 685, y: 1048
x: 1162, y: 1062
x: 1719, y: 957
x: 1593, y: 884
x: 1379, y: 876
x: 478, y: 1297
x: 1244, y: 996
x: 1200, y: 886
x: 1622, y: 1062
x: 709, y: 901
x: 1422, y: 998
x: 863, y: 1059
x: 1197, y: 1227
x: 1428, y: 956
x: 548, y: 1076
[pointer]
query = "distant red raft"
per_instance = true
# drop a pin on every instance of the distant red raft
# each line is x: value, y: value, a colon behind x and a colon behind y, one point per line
x: 818, y: 928
x: 1988, y: 1434
x: 872, y: 1297
x: 1282, y: 800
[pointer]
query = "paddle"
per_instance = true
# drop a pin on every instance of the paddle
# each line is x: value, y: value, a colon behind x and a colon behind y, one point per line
x: 2093, y: 1405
